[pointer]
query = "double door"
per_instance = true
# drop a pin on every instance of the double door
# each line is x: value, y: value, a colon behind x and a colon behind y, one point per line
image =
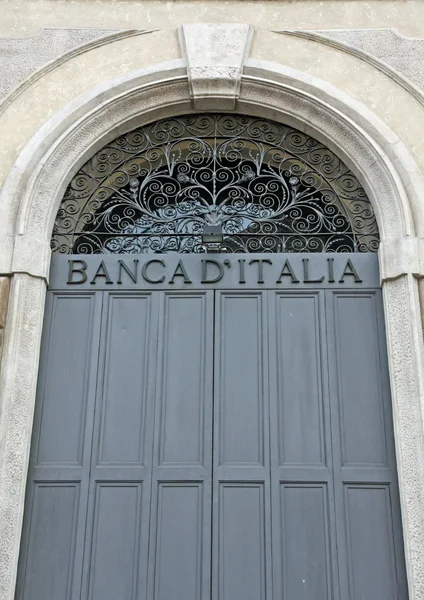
x: 213, y: 445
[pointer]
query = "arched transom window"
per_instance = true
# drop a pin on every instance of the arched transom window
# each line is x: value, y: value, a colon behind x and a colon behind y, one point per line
x: 256, y: 185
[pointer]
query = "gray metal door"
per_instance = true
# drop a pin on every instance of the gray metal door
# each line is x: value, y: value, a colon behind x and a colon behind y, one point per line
x: 221, y: 441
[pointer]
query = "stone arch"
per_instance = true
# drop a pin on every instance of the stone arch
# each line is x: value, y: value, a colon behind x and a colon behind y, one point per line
x: 34, y: 188
x: 379, y: 159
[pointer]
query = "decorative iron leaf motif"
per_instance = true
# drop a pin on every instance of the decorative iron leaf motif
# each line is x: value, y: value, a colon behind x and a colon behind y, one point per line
x: 272, y: 188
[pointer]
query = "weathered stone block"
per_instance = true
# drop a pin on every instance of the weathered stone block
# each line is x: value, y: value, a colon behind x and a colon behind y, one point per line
x: 4, y: 300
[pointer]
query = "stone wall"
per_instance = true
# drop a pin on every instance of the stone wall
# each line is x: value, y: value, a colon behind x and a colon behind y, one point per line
x: 27, y: 17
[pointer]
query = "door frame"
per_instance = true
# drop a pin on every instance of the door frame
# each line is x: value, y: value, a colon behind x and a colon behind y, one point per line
x: 35, y: 186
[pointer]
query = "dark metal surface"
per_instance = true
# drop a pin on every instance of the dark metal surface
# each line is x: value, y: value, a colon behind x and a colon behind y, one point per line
x: 217, y: 271
x: 270, y: 187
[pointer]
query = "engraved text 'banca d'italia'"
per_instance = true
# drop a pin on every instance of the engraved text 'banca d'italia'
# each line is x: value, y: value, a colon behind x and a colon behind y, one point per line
x: 266, y: 186
x: 256, y: 270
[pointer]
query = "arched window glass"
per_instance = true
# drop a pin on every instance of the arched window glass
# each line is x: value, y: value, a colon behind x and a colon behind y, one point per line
x: 267, y: 187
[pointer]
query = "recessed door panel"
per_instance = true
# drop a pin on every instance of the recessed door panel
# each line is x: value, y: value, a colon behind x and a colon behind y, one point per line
x: 242, y: 559
x: 179, y: 544
x: 128, y: 352
x: 51, y: 543
x: 115, y: 545
x: 64, y: 384
x: 370, y: 543
x: 305, y: 536
x: 360, y: 387
x: 240, y: 383
x: 183, y: 379
x: 298, y: 370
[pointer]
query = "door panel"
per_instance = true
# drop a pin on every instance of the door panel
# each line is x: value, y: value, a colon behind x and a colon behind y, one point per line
x: 305, y: 538
x: 57, y: 492
x: 369, y: 536
x: 184, y: 380
x: 298, y: 371
x: 240, y: 347
x: 181, y: 571
x: 179, y: 553
x: 65, y: 384
x: 124, y: 379
x: 242, y: 552
x: 51, y: 545
x: 241, y: 492
x: 213, y: 445
x: 364, y: 471
x: 115, y: 543
x: 359, y: 379
x: 121, y: 465
x: 304, y: 555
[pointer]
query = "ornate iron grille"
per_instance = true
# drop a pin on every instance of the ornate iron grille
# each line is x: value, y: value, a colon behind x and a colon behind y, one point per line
x: 269, y: 187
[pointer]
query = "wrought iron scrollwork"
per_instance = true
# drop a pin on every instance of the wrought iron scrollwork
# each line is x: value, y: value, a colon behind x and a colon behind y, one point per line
x: 270, y: 187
